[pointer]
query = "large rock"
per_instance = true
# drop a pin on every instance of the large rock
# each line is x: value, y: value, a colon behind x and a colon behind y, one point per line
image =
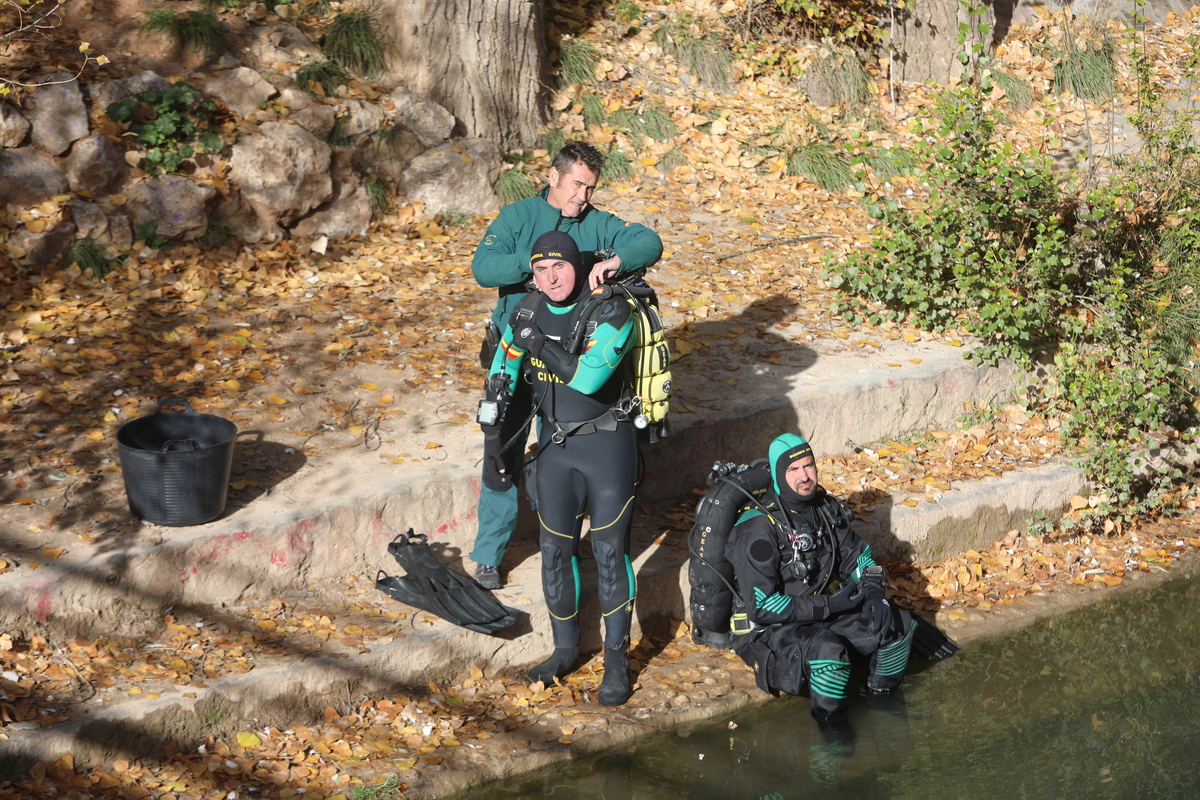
x: 105, y: 93
x: 245, y: 221
x: 90, y: 220
x: 429, y: 121
x: 388, y: 153
x: 280, y: 44
x: 13, y: 126
x: 40, y: 249
x: 456, y: 176
x: 57, y: 112
x: 282, y: 171
x: 241, y: 89
x: 27, y: 178
x: 349, y: 214
x: 312, y: 115
x: 176, y: 205
x: 95, y: 165
x: 359, y: 118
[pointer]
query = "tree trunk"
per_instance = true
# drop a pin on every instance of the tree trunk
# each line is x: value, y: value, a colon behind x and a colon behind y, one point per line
x: 924, y: 42
x: 484, y: 60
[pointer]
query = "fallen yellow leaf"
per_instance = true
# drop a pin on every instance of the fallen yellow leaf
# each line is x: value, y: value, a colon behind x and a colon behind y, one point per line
x: 370, y: 387
x: 432, y: 446
x: 53, y: 553
x: 276, y: 400
x: 247, y: 739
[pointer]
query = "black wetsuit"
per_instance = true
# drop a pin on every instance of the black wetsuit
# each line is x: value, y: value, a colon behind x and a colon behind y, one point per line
x: 795, y: 639
x: 586, y: 456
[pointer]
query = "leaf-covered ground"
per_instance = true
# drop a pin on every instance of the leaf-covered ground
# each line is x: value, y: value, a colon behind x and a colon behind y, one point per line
x: 280, y: 337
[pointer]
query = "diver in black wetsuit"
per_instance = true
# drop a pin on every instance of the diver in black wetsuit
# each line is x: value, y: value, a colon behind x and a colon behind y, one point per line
x: 587, y: 451
x: 812, y: 593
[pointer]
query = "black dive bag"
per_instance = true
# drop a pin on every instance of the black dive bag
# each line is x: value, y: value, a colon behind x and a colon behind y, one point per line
x: 713, y: 594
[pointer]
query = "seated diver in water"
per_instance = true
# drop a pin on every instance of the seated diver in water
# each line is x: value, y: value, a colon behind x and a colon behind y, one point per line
x: 587, y: 451
x: 812, y: 593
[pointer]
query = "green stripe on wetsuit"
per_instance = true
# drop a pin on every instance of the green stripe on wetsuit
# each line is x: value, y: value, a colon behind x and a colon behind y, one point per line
x: 864, y: 561
x: 776, y: 603
x: 892, y: 659
x: 829, y: 677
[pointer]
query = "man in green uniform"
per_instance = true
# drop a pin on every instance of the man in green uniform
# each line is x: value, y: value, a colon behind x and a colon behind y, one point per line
x: 502, y: 261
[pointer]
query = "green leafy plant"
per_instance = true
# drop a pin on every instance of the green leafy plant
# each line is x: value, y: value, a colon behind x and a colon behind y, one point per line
x: 195, y: 31
x: 172, y: 124
x: 1098, y: 276
x: 91, y: 256
x: 513, y: 185
x: 324, y: 75
x: 577, y: 60
x: 356, y: 40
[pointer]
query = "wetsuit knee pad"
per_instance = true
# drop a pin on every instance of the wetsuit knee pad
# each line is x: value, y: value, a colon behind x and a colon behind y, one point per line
x: 554, y: 574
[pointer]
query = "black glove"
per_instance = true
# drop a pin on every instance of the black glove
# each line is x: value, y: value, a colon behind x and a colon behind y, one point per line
x: 847, y: 598
x: 875, y: 609
x: 529, y: 338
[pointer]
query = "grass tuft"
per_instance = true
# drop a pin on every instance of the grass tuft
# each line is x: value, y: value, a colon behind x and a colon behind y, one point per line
x: 91, y: 256
x: 617, y: 167
x: 821, y: 164
x: 513, y: 185
x: 554, y: 140
x: 577, y: 62
x: 887, y: 163
x: 837, y: 79
x: 320, y: 78
x: 1016, y: 91
x: 379, y: 193
x: 356, y: 41
x: 653, y: 121
x: 194, y: 31
x: 593, y: 110
x: 1088, y: 71
x: 671, y: 159
x: 219, y: 234
x: 707, y: 57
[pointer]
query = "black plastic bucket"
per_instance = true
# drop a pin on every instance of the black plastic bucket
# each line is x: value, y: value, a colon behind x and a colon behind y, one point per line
x: 176, y: 465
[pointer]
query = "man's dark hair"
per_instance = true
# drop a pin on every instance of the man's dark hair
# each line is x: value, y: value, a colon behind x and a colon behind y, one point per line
x: 578, y: 153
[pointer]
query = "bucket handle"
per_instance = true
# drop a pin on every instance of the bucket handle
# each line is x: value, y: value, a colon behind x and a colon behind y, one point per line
x: 186, y: 405
x: 168, y: 446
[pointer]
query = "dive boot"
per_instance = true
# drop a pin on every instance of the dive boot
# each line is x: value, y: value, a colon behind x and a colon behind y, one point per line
x: 431, y: 586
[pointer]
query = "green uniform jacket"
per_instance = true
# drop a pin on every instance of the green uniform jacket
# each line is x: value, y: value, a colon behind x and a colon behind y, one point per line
x: 502, y: 258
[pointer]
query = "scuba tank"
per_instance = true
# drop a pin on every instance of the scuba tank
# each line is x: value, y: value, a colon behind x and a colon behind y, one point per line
x: 713, y: 594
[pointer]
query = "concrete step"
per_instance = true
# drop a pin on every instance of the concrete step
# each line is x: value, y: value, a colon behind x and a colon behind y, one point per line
x: 325, y: 529
x: 337, y: 521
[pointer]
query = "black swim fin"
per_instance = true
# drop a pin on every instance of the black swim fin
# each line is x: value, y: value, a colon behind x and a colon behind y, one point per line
x: 431, y: 586
x: 929, y: 642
